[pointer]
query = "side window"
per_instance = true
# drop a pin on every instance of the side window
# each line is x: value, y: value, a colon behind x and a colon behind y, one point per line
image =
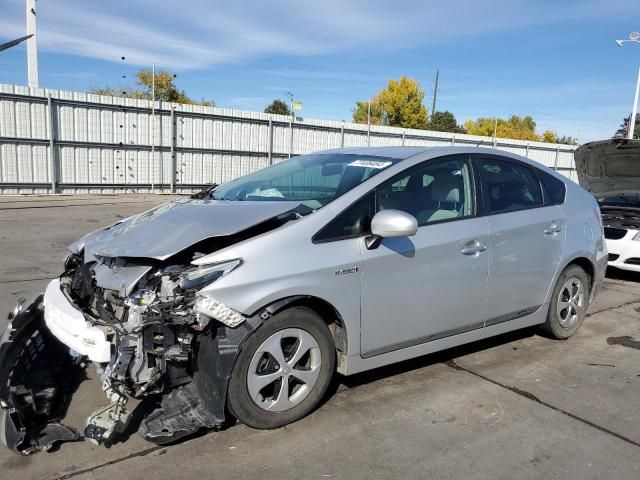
x: 352, y: 222
x: 554, y: 189
x: 509, y: 186
x: 431, y: 192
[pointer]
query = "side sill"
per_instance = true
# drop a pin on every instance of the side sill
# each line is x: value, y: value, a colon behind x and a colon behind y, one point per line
x: 450, y: 333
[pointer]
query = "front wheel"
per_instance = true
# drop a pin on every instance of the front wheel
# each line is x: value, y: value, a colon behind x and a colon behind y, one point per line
x: 283, y: 370
x: 569, y: 302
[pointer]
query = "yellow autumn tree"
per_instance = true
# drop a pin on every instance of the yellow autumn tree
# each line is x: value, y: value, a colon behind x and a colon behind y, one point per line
x: 397, y: 105
x: 520, y: 128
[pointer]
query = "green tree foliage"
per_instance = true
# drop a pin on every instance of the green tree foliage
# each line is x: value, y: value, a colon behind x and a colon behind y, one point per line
x: 166, y: 89
x: 624, y: 128
x: 397, y: 105
x: 278, y: 107
x: 445, y: 122
x: 566, y: 140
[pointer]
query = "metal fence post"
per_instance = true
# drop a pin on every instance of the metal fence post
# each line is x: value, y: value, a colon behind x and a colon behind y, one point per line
x: 174, y: 162
x: 270, y: 142
x: 527, y: 151
x: 404, y: 137
x: 342, y: 135
x: 291, y: 135
x: 555, y: 163
x: 53, y: 158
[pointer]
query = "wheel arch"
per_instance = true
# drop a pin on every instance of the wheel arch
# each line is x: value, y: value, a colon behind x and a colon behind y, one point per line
x: 325, y: 310
x: 588, y: 266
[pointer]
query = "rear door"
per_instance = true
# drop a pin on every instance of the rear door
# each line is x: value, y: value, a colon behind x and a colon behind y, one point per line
x: 527, y: 238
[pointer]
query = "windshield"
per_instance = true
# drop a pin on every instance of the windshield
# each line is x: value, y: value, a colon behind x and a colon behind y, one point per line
x: 620, y: 200
x: 313, y: 180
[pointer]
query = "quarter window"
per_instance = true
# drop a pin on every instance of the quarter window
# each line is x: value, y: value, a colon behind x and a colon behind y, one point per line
x: 352, y: 222
x: 555, y: 189
x: 509, y: 186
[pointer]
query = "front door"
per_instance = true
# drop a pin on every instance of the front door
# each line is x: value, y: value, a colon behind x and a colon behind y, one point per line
x: 434, y: 284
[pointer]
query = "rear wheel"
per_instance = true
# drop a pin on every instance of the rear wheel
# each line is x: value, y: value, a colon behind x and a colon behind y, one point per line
x: 283, y: 370
x: 569, y: 302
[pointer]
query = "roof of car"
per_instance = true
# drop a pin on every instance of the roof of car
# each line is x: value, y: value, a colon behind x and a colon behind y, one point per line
x: 406, y: 152
x: 403, y: 153
x: 394, y: 152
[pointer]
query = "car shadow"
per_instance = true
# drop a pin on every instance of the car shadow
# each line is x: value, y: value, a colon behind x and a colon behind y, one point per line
x: 341, y: 382
x: 618, y: 274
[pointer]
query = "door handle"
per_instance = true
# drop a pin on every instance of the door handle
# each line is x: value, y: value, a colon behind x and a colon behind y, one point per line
x: 552, y: 229
x: 473, y: 247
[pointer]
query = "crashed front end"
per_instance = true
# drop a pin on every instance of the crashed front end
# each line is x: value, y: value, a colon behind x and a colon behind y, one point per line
x: 150, y: 336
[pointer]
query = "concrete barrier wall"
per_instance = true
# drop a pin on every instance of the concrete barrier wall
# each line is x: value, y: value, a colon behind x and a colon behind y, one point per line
x: 70, y: 142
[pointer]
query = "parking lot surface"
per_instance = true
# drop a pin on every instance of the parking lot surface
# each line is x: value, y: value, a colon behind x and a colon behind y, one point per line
x: 518, y: 406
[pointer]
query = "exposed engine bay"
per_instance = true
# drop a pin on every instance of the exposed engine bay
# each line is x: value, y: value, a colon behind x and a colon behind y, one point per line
x: 621, y: 217
x: 141, y: 322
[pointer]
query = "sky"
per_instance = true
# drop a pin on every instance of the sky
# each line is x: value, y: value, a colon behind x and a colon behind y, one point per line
x: 555, y: 60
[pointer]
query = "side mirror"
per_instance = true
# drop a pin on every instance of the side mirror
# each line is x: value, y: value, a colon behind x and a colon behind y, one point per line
x: 389, y: 224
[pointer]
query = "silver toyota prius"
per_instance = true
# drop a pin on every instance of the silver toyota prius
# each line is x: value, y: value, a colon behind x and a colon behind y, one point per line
x: 242, y: 301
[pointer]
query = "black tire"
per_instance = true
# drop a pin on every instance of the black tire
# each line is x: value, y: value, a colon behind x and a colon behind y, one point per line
x: 554, y: 324
x: 239, y: 400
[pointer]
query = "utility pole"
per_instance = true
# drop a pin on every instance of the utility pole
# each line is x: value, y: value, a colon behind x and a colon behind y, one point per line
x: 32, y: 44
x: 369, y: 123
x: 435, y: 93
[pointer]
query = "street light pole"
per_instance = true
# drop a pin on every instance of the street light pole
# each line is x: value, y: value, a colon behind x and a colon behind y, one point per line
x: 634, y: 37
x: 32, y: 45
x: 632, y: 123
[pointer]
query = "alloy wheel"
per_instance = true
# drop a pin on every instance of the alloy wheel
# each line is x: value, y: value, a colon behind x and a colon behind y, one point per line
x: 571, y: 301
x: 284, y: 370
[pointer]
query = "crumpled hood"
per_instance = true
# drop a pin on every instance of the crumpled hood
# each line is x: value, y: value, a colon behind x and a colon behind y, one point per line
x: 609, y: 166
x: 168, y: 229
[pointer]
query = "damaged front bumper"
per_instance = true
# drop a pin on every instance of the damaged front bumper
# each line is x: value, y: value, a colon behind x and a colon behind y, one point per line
x: 46, y: 345
x: 36, y: 381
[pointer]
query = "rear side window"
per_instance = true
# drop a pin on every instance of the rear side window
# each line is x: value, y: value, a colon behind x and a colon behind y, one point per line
x: 554, y: 189
x: 509, y: 187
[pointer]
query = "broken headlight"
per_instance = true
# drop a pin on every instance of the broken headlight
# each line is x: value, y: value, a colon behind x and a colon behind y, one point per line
x: 211, y: 307
x: 207, y: 274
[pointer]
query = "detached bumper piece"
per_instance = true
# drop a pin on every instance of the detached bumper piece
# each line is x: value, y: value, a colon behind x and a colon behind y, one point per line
x: 37, y: 378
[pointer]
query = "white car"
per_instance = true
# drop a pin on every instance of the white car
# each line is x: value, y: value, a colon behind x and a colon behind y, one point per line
x: 610, y: 169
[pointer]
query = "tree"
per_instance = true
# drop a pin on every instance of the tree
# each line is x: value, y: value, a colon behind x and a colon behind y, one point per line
x: 520, y: 128
x: 445, y: 122
x: 377, y: 114
x: 623, y: 131
x: 278, y: 107
x: 165, y: 89
x: 565, y: 140
x: 549, y: 136
x: 397, y: 105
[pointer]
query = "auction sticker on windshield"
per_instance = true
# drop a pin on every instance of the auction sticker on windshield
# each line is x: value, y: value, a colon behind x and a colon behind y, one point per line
x: 370, y: 164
